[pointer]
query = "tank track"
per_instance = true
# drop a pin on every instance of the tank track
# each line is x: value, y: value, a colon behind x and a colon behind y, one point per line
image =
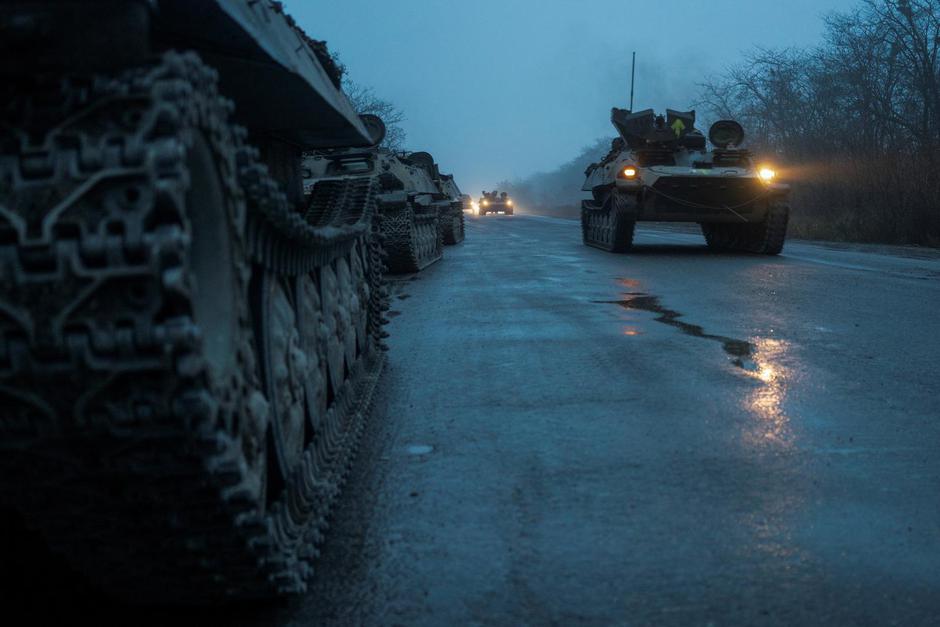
x: 764, y: 238
x: 453, y: 226
x: 149, y: 468
x: 609, y: 225
x: 413, y: 239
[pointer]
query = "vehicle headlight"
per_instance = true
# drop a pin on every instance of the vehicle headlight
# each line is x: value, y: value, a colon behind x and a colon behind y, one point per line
x: 486, y: 203
x: 629, y: 172
x: 766, y: 174
x: 508, y: 203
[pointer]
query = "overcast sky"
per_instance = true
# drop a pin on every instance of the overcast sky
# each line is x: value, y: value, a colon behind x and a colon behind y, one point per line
x: 500, y: 89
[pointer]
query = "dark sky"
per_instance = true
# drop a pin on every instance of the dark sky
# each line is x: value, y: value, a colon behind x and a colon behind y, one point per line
x: 499, y: 89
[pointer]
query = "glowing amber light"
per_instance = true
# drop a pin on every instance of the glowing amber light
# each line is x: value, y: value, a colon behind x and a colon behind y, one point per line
x: 766, y: 174
x: 629, y: 172
x: 509, y: 203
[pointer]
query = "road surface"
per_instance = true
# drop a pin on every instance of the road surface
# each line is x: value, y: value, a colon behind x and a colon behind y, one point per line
x: 572, y: 437
x: 566, y: 436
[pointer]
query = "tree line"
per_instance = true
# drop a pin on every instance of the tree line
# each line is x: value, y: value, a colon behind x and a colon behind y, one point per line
x: 855, y: 122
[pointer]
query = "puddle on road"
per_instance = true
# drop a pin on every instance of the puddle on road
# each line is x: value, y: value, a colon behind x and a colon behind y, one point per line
x: 419, y: 449
x: 740, y: 351
x: 764, y: 359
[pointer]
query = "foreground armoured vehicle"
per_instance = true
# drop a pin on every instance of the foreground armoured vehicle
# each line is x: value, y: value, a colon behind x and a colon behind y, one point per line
x: 411, y: 203
x: 495, y: 202
x: 187, y: 350
x: 659, y: 169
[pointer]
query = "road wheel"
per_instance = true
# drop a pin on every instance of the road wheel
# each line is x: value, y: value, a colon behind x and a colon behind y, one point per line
x: 284, y: 363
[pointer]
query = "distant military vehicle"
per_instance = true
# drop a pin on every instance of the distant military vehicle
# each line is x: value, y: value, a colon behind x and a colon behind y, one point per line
x: 410, y: 201
x: 660, y: 169
x: 495, y: 202
x: 466, y: 202
x: 186, y: 351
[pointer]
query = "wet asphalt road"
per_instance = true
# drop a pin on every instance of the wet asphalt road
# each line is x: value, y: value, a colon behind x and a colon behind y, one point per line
x: 571, y: 437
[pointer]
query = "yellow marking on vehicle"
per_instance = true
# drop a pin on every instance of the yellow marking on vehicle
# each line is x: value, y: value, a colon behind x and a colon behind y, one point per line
x: 678, y: 126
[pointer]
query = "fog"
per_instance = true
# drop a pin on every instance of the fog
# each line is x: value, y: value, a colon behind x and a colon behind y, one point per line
x: 502, y: 89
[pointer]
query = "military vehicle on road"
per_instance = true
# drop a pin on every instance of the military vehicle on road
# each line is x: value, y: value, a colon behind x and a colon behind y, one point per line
x: 188, y: 346
x: 452, y: 218
x: 496, y: 202
x: 660, y: 169
x: 410, y: 203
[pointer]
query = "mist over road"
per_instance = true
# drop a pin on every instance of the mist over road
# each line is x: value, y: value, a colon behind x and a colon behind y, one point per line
x: 666, y: 437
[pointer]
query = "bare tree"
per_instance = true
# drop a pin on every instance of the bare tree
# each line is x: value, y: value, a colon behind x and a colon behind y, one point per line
x: 365, y: 100
x: 856, y: 119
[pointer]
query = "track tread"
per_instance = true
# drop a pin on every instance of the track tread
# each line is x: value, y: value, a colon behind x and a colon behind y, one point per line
x: 118, y: 443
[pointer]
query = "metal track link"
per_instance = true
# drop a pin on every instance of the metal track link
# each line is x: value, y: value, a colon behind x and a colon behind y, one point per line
x: 414, y: 240
x: 453, y: 225
x: 610, y: 225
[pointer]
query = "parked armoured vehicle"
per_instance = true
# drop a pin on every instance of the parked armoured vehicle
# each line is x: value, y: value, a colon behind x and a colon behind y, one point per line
x: 410, y: 202
x: 495, y: 202
x: 660, y: 169
x: 187, y: 350
x: 452, y: 219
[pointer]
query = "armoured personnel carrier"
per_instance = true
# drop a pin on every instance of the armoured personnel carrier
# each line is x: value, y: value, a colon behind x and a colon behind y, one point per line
x: 187, y: 349
x: 660, y: 169
x: 452, y: 219
x: 495, y: 202
x: 410, y: 202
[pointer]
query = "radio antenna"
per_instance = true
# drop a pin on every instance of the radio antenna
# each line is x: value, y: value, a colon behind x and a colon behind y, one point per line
x: 632, y: 78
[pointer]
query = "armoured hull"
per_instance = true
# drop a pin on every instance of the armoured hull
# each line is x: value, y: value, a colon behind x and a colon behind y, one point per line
x: 414, y: 214
x: 495, y: 207
x: 661, y: 171
x: 187, y: 353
